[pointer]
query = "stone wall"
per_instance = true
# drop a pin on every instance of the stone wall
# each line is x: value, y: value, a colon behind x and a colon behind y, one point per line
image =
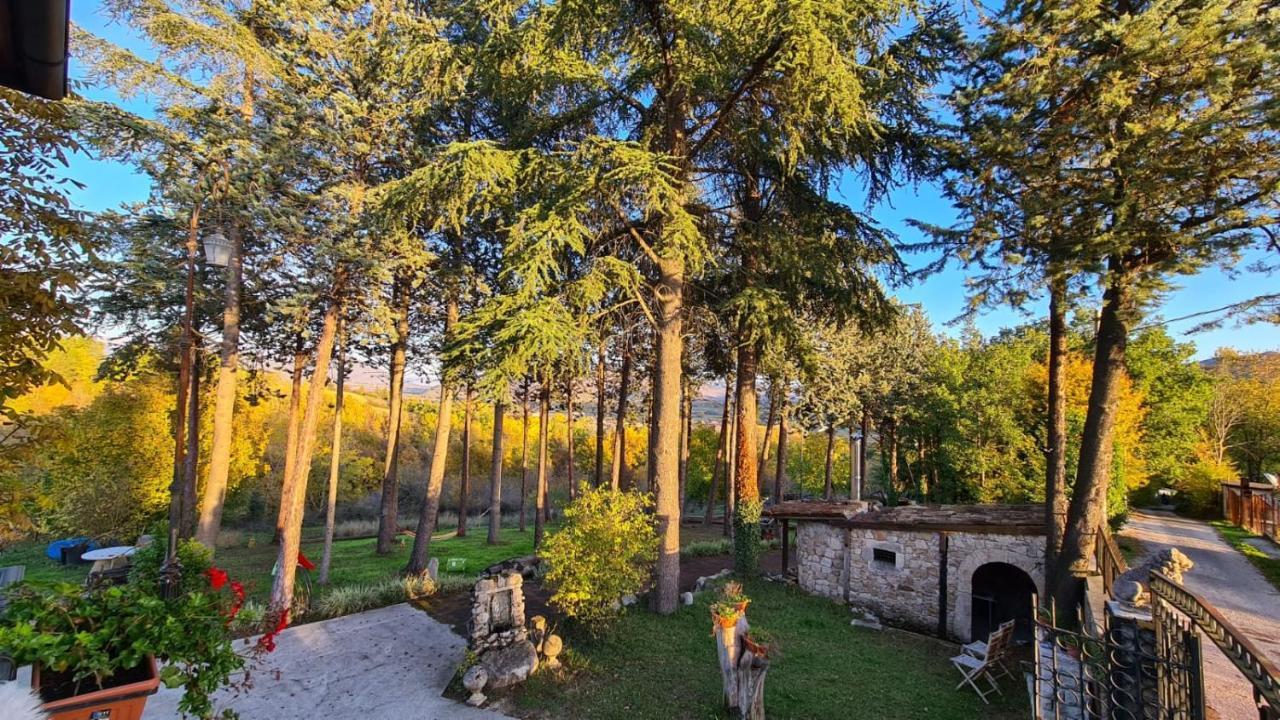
x: 896, y: 573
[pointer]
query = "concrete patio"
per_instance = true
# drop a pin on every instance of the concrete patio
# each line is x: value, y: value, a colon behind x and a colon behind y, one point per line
x: 385, y: 664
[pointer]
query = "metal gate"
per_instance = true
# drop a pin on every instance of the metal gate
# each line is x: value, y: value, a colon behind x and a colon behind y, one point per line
x: 1130, y: 670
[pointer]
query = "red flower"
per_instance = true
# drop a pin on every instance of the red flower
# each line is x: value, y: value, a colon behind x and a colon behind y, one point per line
x: 217, y: 577
x: 305, y: 563
x: 237, y: 589
x: 268, y: 640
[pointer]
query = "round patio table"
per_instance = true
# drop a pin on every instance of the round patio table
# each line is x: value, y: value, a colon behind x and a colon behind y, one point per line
x: 109, y: 558
x: 109, y: 553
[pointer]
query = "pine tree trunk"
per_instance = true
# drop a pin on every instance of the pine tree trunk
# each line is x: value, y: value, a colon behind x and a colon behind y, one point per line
x: 768, y: 429
x: 730, y: 464
x: 855, y: 482
x: 1055, y: 493
x: 828, y: 485
x: 495, y: 473
x: 191, y: 458
x: 1088, y: 508
x: 620, y: 425
x: 862, y: 446
x: 215, y: 488
x: 540, y: 493
x: 780, y: 476
x: 294, y: 494
x: 524, y: 454
x: 464, y: 485
x: 568, y: 440
x: 889, y: 431
x: 722, y: 450
x: 686, y: 431
x: 669, y: 302
x: 746, y: 484
x: 291, y: 432
x: 439, y: 457
x: 389, y: 511
x: 335, y: 459
x: 650, y: 464
x: 600, y: 398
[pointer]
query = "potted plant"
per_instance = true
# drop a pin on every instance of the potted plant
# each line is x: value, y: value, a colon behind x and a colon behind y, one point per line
x: 94, y: 652
x: 732, y: 593
x: 725, y: 613
x: 760, y: 642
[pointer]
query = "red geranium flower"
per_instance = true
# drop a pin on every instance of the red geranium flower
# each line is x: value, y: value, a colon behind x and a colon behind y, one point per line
x: 217, y: 577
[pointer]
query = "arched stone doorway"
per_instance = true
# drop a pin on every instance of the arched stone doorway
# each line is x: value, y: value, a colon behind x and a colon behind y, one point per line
x: 1001, y: 592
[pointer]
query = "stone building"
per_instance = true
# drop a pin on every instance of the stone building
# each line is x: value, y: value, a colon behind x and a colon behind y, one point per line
x: 951, y: 570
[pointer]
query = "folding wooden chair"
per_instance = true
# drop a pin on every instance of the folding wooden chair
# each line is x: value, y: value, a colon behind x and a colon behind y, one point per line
x: 979, y: 661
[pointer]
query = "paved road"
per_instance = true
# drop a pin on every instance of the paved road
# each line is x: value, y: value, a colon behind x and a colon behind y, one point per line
x: 1226, y: 579
x: 387, y: 664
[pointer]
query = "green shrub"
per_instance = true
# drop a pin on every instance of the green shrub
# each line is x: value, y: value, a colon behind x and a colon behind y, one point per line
x: 707, y: 548
x: 605, y: 550
x: 194, y: 558
x: 1200, y: 487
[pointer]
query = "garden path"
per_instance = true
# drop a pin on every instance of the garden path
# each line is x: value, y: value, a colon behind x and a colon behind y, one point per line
x: 385, y: 664
x: 1227, y: 580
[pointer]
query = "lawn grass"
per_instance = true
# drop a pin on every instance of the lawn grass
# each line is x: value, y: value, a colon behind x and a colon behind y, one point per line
x: 665, y: 667
x: 1236, y: 536
x: 354, y: 561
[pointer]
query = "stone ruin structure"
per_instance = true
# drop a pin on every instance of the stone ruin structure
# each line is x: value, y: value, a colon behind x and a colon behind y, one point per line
x: 955, y: 571
x: 508, y: 650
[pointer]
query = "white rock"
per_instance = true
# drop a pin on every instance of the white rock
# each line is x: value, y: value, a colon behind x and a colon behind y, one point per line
x: 686, y: 598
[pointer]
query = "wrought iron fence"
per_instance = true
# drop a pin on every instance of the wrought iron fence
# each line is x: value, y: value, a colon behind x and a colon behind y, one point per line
x: 1110, y: 561
x: 1127, y: 672
x: 1261, y: 673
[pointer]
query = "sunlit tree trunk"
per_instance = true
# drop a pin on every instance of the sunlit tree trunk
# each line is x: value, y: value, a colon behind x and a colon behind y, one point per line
x: 335, y: 463
x: 215, y: 488
x: 746, y: 517
x: 768, y: 429
x: 524, y: 454
x: 780, y: 474
x: 291, y: 430
x: 495, y: 472
x: 600, y: 398
x: 855, y: 481
x: 568, y: 439
x: 730, y: 466
x: 464, y: 485
x: 191, y: 458
x: 389, y: 510
x: 687, y: 430
x: 294, y: 493
x: 1088, y: 508
x: 669, y: 301
x: 540, y: 493
x: 620, y: 424
x: 722, y: 452
x: 439, y: 456
x: 828, y: 487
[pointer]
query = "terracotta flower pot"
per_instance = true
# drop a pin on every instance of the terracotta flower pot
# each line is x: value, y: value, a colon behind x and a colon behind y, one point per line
x: 742, y: 606
x: 755, y: 647
x: 725, y: 621
x: 121, y: 702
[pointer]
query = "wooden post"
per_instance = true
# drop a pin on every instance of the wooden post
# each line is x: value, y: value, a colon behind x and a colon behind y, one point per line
x: 786, y: 545
x: 751, y: 671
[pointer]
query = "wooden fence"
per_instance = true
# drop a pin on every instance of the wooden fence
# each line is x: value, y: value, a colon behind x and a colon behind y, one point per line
x: 1255, y: 508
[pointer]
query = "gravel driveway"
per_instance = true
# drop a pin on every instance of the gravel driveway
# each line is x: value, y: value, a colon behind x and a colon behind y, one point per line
x: 1226, y: 579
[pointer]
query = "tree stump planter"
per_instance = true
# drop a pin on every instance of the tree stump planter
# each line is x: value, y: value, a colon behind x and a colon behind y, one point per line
x: 119, y: 702
x: 743, y: 664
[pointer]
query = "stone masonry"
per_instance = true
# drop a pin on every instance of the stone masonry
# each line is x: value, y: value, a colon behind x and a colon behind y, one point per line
x: 899, y: 583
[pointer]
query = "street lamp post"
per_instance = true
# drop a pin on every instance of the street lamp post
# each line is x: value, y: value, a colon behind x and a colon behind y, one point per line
x: 217, y: 254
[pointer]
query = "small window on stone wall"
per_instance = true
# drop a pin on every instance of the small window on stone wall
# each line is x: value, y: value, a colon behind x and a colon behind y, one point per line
x: 886, y: 557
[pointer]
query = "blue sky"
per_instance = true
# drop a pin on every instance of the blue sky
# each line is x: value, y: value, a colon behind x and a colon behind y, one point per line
x: 107, y: 185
